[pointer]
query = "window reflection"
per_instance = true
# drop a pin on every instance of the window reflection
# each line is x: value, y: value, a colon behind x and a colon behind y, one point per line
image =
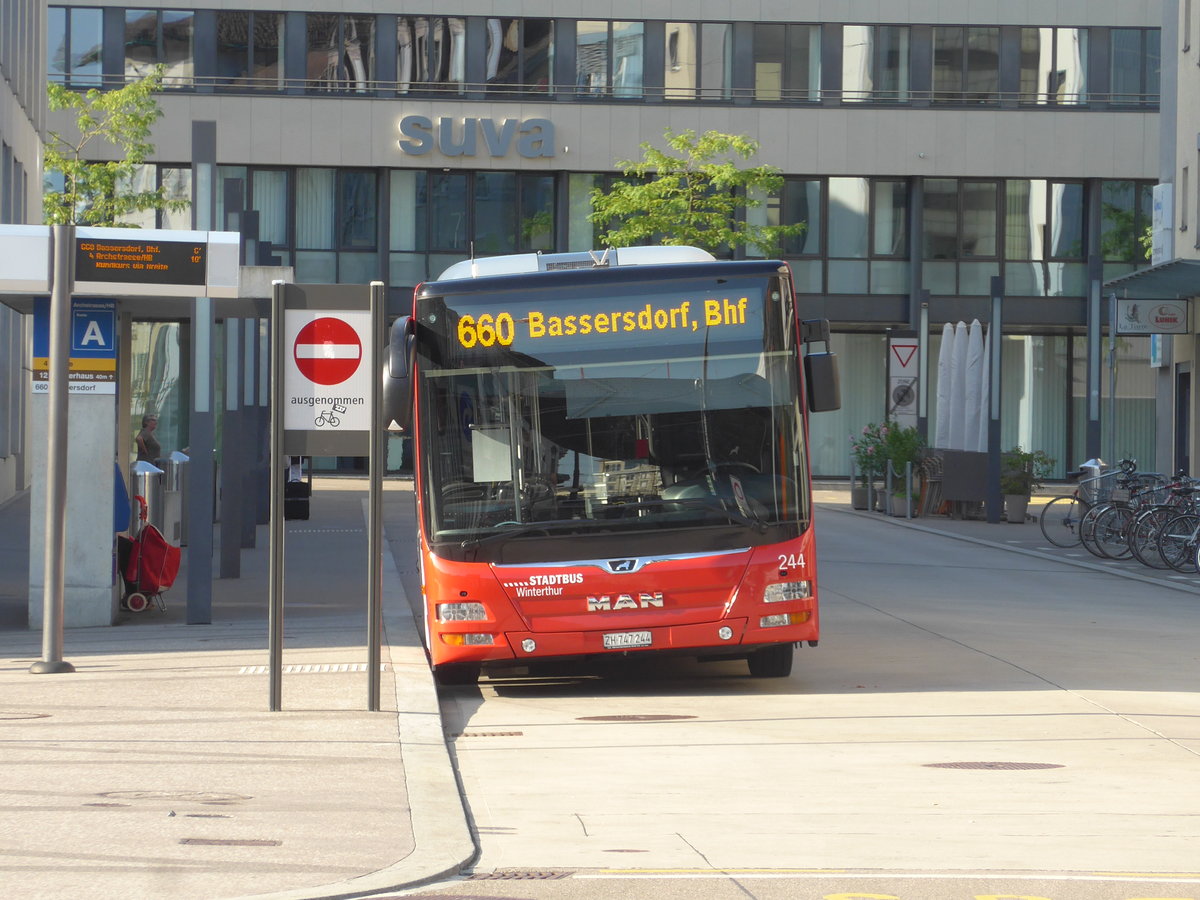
x: 966, y: 65
x: 874, y: 63
x: 786, y: 62
x: 430, y: 52
x: 75, y: 42
x: 341, y: 52
x: 520, y: 53
x: 249, y: 49
x: 1054, y: 65
x: 1135, y: 65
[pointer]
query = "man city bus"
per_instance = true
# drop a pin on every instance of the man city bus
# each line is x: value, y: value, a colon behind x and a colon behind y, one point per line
x: 610, y: 458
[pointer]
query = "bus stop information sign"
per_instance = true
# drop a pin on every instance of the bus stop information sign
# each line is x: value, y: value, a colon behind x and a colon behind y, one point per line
x: 136, y: 259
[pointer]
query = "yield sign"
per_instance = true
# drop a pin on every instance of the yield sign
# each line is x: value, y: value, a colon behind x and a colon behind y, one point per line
x: 327, y: 351
x: 904, y: 353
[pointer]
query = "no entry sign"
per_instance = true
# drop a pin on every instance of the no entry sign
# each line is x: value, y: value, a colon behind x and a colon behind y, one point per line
x: 327, y: 374
x: 327, y: 350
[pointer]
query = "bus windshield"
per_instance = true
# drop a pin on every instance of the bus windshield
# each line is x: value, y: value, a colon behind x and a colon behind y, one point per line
x: 564, y: 421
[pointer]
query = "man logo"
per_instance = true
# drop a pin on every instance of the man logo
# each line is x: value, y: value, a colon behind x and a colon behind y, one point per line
x: 622, y: 565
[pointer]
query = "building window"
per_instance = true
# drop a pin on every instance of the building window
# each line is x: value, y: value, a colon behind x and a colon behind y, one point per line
x: 250, y: 49
x: 966, y: 65
x: 697, y: 61
x: 609, y: 58
x: 1135, y: 66
x: 75, y: 40
x: 875, y: 63
x: 1043, y: 238
x: 336, y: 226
x: 520, y: 55
x: 341, y: 52
x: 1126, y: 209
x: 961, y: 229
x: 430, y: 53
x: 159, y: 36
x: 787, y: 62
x: 1054, y: 65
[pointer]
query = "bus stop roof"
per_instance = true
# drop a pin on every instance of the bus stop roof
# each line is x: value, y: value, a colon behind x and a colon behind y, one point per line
x: 1174, y: 280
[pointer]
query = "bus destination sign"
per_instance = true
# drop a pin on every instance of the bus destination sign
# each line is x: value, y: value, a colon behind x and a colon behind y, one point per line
x: 133, y: 260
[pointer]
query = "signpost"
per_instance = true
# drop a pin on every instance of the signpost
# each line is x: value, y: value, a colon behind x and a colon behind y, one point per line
x: 326, y: 401
x: 92, y: 364
x: 903, y: 378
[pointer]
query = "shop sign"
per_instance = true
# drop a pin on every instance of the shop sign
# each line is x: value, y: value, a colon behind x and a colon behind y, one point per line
x: 532, y: 138
x: 1152, y: 317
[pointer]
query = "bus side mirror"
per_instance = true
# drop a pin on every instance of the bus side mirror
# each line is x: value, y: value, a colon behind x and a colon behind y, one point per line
x: 821, y: 379
x: 397, y: 374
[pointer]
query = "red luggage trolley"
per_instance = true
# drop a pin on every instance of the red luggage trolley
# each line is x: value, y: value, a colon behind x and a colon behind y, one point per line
x: 148, y: 564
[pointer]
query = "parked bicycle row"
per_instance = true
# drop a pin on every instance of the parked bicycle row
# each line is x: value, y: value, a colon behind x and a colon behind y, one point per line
x: 1124, y: 513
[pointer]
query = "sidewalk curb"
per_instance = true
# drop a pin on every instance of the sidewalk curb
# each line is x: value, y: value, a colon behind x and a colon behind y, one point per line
x: 1038, y: 554
x: 443, y: 842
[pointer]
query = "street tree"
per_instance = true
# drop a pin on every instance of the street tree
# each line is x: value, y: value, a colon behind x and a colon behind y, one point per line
x: 81, y: 190
x: 697, y: 197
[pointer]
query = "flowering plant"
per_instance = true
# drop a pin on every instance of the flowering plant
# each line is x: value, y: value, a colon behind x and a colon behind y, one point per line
x: 868, y: 450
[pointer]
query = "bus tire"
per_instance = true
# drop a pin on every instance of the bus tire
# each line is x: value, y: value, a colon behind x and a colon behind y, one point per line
x: 457, y: 673
x: 772, y: 662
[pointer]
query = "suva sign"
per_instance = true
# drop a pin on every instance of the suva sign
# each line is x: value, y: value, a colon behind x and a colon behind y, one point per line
x: 534, y: 137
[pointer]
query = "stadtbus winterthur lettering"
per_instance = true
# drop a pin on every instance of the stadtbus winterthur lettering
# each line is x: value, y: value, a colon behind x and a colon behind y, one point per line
x: 501, y: 328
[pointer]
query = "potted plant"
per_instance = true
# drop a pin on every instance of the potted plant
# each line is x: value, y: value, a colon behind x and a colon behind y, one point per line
x: 867, y: 452
x: 902, y: 446
x: 1021, y: 473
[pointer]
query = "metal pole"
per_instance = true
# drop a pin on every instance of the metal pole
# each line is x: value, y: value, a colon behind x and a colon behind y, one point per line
x: 995, y: 337
x: 923, y: 369
x: 377, y: 462
x: 1112, y: 379
x: 275, y: 569
x: 56, y: 455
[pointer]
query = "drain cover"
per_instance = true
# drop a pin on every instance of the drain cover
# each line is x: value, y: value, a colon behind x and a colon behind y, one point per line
x: 632, y: 718
x: 511, y: 875
x: 230, y: 842
x: 992, y: 765
x: 13, y: 716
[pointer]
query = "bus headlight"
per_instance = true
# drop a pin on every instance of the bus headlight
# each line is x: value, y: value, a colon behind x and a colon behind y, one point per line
x: 796, y: 618
x: 787, y: 590
x: 468, y: 640
x: 461, y: 612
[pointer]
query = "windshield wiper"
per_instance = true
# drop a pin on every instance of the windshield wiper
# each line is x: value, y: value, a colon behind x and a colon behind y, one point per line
x: 716, y: 505
x: 503, y: 534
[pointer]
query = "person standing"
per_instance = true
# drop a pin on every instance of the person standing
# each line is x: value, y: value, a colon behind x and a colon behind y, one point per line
x: 148, y: 447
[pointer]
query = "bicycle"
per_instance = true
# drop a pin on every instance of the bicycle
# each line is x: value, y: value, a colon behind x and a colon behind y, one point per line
x: 1105, y: 529
x: 1060, y: 518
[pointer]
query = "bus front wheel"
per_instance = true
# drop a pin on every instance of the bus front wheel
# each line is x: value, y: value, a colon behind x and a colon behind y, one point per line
x: 457, y: 673
x: 772, y: 662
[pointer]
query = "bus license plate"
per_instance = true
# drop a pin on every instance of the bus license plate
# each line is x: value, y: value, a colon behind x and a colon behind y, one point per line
x: 623, y: 640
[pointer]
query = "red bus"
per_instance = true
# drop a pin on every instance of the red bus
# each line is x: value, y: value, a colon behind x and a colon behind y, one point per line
x: 610, y: 458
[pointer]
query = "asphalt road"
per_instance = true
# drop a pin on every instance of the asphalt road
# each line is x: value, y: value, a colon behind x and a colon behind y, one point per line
x: 975, y: 724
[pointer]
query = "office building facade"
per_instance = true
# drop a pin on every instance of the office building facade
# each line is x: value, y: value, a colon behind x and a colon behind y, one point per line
x: 22, y: 120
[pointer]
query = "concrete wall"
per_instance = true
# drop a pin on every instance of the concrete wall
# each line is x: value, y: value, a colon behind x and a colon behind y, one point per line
x: 89, y: 598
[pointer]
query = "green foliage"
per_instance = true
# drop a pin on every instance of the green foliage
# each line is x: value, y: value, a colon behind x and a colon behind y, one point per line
x: 100, y: 193
x: 867, y: 450
x: 1022, y: 471
x: 902, y: 446
x: 691, y: 198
